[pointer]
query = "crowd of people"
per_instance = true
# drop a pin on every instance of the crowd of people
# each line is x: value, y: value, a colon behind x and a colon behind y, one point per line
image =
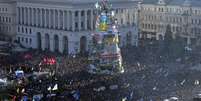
x: 145, y: 78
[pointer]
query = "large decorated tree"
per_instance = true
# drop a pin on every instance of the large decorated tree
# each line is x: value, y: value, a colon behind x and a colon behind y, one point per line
x: 105, y: 52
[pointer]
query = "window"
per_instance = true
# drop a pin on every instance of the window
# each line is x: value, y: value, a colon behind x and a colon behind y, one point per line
x: 82, y: 24
x: 199, y: 21
x: 30, y: 31
x: 143, y: 25
x: 7, y: 28
x: 82, y: 13
x: 3, y: 19
x: 6, y: 19
x: 9, y: 20
x: 26, y: 30
x: 152, y: 27
x: 76, y: 25
x: 76, y: 13
x: 22, y: 30
x: 22, y: 39
x: 18, y: 39
x: 195, y: 11
x: 26, y: 40
x: 30, y: 41
x: 3, y: 28
x: 18, y: 29
x: 121, y: 21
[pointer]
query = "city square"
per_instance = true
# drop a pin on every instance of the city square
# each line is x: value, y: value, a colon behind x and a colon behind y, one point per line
x: 100, y: 50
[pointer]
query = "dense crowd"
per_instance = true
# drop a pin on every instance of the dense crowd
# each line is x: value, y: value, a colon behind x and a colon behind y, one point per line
x: 145, y: 78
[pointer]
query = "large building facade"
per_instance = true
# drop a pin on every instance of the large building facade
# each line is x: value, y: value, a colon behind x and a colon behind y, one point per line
x: 66, y: 26
x: 184, y: 17
x: 7, y: 20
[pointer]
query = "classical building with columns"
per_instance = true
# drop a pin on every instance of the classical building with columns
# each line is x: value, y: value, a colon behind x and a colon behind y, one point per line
x: 184, y: 17
x: 66, y: 26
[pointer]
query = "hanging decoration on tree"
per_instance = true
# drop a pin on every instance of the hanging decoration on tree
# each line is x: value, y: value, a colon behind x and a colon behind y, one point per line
x: 105, y: 54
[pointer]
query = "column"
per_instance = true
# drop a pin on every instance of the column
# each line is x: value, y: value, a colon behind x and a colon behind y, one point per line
x: 50, y: 19
x: 92, y: 18
x: 17, y: 12
x: 54, y: 21
x: 36, y: 15
x: 20, y: 14
x: 68, y: 20
x: 85, y: 19
x: 121, y: 17
x: 45, y: 17
x: 23, y: 19
x: 79, y: 20
x: 31, y: 17
x: 26, y: 17
x: 136, y: 19
x: 32, y: 14
x: 28, y: 20
x: 58, y: 19
x: 63, y: 20
x: 73, y: 20
x: 41, y: 17
x: 131, y: 16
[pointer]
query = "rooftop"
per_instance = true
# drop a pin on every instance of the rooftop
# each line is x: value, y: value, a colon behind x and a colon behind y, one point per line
x: 195, y: 3
x: 81, y: 3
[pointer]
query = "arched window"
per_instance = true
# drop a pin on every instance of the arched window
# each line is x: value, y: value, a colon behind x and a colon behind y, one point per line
x: 47, y: 42
x: 65, y: 45
x: 56, y: 43
x: 39, y: 40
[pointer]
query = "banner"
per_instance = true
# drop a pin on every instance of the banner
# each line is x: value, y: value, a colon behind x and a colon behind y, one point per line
x: 112, y: 40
